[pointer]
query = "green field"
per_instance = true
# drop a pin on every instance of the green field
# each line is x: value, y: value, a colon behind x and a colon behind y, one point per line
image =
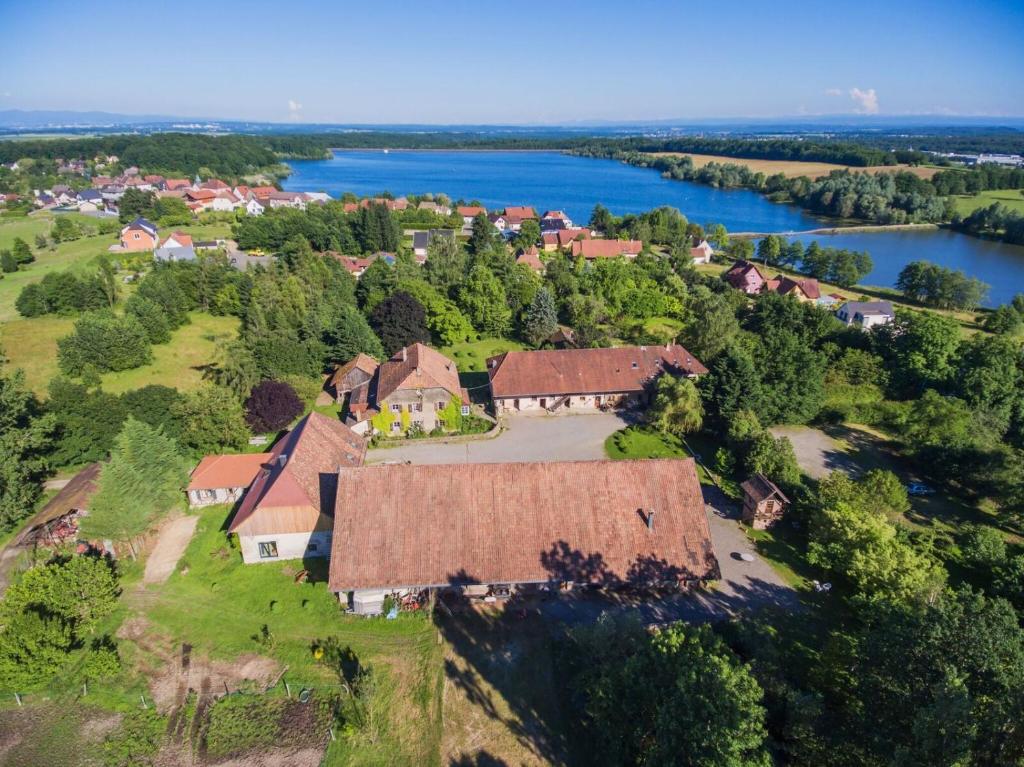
x: 32, y: 346
x: 63, y: 256
x: 1011, y: 198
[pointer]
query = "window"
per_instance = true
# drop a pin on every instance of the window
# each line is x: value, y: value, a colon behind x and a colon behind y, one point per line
x: 396, y: 426
x: 438, y: 406
x: 268, y: 550
x: 465, y: 409
x: 418, y: 407
x: 310, y: 547
x: 635, y: 365
x: 441, y: 424
x: 396, y: 408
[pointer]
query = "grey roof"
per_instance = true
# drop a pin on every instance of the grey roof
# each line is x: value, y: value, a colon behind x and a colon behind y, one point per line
x: 90, y: 194
x: 175, y: 254
x: 143, y: 224
x: 865, y: 308
x: 242, y: 261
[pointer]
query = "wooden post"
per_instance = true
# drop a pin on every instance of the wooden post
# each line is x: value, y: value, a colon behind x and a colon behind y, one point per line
x: 143, y: 699
x: 331, y: 730
x: 17, y: 698
x: 288, y: 690
x: 85, y: 689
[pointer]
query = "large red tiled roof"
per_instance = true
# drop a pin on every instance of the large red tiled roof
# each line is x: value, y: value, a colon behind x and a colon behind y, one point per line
x: 531, y: 258
x: 417, y: 367
x: 521, y: 211
x: 606, y: 248
x: 226, y: 471
x: 585, y: 521
x: 784, y: 285
x: 288, y: 496
x: 586, y: 371
x: 470, y: 210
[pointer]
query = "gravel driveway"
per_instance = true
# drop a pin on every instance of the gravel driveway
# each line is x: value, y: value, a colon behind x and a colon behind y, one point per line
x: 526, y: 438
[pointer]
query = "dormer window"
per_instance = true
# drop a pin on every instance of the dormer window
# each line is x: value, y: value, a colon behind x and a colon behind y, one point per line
x: 635, y: 365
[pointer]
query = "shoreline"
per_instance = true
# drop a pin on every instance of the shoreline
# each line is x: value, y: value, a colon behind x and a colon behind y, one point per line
x: 388, y: 149
x: 854, y: 229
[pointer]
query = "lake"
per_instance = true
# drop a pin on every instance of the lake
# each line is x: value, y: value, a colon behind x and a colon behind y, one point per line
x: 551, y: 180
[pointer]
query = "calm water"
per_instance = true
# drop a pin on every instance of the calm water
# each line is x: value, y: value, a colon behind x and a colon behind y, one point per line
x: 575, y: 184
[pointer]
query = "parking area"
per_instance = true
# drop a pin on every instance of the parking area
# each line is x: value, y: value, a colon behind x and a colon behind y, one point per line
x: 525, y: 438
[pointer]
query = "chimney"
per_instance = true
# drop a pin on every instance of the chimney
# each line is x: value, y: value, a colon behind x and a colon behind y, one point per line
x: 650, y: 519
x: 405, y: 354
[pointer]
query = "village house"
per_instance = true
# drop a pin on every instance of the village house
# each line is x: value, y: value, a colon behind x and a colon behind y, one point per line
x: 176, y: 184
x: 176, y: 247
x: 421, y: 240
x: 434, y: 207
x: 139, y: 235
x: 555, y: 220
x: 488, y: 531
x: 498, y: 221
x: 763, y: 502
x: 521, y: 212
x: 287, y: 513
x: 866, y: 314
x: 223, y: 478
x: 417, y: 388
x: 254, y: 207
x: 295, y: 200
x: 583, y: 380
x: 531, y: 258
x: 803, y: 290
x: 594, y: 249
x: 469, y: 212
x: 355, y: 373
x: 745, y: 276
x: 702, y: 253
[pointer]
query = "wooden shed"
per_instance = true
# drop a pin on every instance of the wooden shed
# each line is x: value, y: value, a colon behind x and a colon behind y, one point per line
x: 763, y: 502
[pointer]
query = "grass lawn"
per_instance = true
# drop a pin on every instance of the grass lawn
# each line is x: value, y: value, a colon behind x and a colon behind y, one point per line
x: 219, y: 605
x: 638, y: 442
x: 32, y: 345
x: 471, y: 356
x: 63, y: 256
x: 1011, y: 198
x: 179, y: 363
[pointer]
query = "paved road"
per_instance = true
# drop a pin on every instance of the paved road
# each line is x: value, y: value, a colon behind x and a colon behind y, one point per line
x: 526, y: 438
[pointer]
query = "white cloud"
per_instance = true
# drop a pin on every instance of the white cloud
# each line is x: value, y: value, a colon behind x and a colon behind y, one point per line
x: 294, y: 108
x: 833, y: 92
x: 867, y: 101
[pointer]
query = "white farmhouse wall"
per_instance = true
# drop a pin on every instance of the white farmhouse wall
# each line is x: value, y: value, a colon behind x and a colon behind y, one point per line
x: 200, y: 498
x: 289, y: 546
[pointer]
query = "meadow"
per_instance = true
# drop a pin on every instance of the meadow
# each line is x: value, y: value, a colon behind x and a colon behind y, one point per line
x: 795, y: 168
x: 1010, y: 198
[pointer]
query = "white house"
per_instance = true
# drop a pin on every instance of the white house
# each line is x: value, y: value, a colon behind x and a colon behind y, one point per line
x: 223, y: 478
x: 287, y: 513
x: 866, y: 314
x: 254, y: 207
x: 702, y: 253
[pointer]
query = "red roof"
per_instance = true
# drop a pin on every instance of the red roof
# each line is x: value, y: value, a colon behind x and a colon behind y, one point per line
x: 185, y: 240
x: 214, y: 183
x: 531, y: 258
x: 417, y: 367
x: 470, y: 210
x: 785, y: 285
x: 521, y: 211
x: 287, y: 495
x: 177, y: 183
x: 586, y: 371
x: 586, y: 521
x: 606, y: 248
x: 200, y: 195
x: 565, y: 236
x: 263, y: 191
x: 216, y: 472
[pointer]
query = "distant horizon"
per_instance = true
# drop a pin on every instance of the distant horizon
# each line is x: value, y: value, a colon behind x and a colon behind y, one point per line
x: 101, y: 117
x: 539, y: 64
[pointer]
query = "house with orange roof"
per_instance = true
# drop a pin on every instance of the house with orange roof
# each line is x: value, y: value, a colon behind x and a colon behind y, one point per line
x: 531, y: 258
x: 563, y: 238
x: 263, y: 191
x: 176, y: 184
x: 804, y: 290
x: 223, y: 478
x: 355, y: 373
x: 288, y: 510
x: 521, y: 211
x: 416, y: 388
x: 594, y: 249
x: 469, y: 212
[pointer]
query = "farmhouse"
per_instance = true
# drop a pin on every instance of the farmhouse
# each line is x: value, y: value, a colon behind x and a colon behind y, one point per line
x: 531, y: 259
x: 140, y: 234
x: 469, y: 212
x: 417, y: 388
x: 287, y: 512
x: 763, y: 502
x: 866, y: 314
x: 745, y: 276
x: 702, y: 253
x: 583, y: 380
x: 804, y: 290
x: 593, y: 249
x: 355, y: 373
x: 563, y: 238
x: 223, y: 478
x: 486, y: 531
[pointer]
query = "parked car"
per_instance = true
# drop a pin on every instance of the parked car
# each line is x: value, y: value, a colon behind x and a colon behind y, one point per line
x: 919, y: 488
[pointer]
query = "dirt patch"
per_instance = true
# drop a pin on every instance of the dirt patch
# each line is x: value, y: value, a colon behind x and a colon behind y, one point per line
x: 96, y: 729
x: 170, y: 545
x: 169, y: 684
x: 303, y: 757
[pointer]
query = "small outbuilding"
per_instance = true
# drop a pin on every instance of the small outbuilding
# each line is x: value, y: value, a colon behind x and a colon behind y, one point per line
x: 223, y: 478
x: 763, y: 502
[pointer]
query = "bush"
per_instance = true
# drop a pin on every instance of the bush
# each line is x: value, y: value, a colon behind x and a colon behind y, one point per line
x: 983, y: 547
x: 102, y: 660
x: 136, y: 741
x: 272, y: 406
x: 104, y: 342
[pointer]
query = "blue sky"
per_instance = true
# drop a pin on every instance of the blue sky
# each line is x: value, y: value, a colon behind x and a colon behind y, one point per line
x: 525, y: 62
